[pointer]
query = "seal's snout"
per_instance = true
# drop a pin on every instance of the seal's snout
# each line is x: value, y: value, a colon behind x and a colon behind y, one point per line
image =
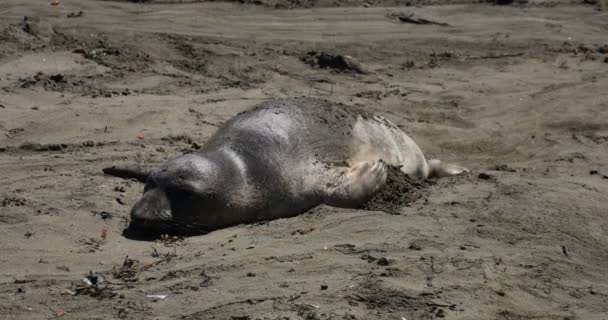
x: 153, y: 206
x: 150, y: 215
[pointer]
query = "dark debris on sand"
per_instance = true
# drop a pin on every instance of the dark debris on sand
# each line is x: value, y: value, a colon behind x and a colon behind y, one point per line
x: 335, y: 62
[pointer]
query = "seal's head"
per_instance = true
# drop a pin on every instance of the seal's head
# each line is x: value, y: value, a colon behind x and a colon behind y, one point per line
x: 179, y: 196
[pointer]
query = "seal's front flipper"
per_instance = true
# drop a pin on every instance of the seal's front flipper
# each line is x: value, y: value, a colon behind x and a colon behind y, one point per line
x: 439, y: 169
x: 350, y: 187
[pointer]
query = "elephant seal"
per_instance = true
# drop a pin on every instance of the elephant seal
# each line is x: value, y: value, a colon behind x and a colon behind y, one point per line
x: 279, y: 159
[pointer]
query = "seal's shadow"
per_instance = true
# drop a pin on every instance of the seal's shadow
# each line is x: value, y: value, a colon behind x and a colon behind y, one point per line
x: 138, y: 233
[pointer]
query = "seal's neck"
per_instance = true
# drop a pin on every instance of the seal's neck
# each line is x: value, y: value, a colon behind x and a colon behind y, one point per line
x: 223, y: 168
x: 234, y: 166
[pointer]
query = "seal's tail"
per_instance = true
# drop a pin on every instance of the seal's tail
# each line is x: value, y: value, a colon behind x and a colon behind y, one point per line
x: 439, y: 169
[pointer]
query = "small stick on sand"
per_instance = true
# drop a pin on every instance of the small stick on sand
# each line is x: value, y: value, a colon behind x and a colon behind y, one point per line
x: 496, y: 56
x: 409, y: 17
x: 128, y: 172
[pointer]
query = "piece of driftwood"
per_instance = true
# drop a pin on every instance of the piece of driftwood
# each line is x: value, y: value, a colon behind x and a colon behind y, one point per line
x: 496, y: 56
x: 409, y: 17
x: 128, y: 172
x: 602, y: 5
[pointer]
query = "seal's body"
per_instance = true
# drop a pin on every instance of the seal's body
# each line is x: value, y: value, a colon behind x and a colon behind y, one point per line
x: 279, y: 159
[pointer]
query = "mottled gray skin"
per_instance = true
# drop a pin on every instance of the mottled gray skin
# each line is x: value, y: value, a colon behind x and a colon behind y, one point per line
x: 277, y: 160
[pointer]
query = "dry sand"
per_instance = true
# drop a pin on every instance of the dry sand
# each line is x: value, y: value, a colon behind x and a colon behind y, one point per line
x: 519, y: 94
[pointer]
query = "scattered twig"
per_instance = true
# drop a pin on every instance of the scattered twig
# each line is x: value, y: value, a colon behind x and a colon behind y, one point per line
x: 251, y: 301
x: 441, y: 305
x: 412, y: 19
x: 496, y: 56
x: 565, y: 250
x: 22, y: 281
x: 75, y: 14
x: 409, y: 17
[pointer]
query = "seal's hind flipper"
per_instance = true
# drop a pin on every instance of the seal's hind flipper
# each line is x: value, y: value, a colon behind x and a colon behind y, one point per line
x: 350, y: 187
x: 439, y: 169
